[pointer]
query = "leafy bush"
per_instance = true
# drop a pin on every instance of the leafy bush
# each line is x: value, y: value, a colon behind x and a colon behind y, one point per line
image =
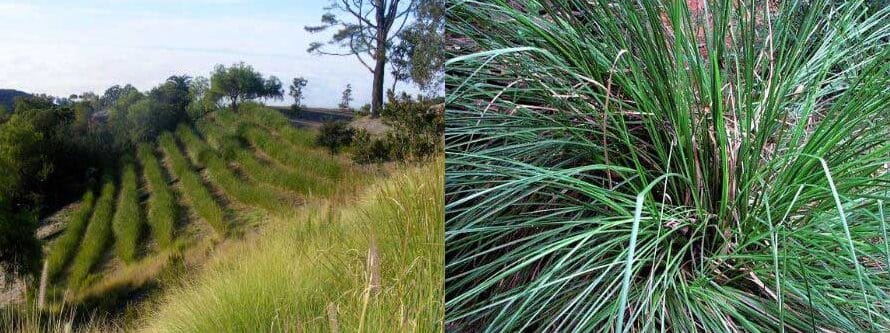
x: 193, y: 188
x: 128, y: 222
x: 368, y: 149
x: 418, y: 126
x: 97, y: 237
x: 621, y: 166
x: 163, y: 211
x: 334, y: 136
x: 18, y: 247
x: 417, y: 130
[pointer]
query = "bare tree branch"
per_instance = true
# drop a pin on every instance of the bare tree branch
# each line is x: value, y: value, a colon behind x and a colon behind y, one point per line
x: 358, y: 14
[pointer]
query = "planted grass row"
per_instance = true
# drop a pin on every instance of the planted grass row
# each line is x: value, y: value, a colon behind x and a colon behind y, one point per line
x: 163, y: 211
x: 305, y: 160
x: 197, y: 195
x: 301, y: 157
x: 232, y: 148
x: 64, y: 247
x: 97, y: 237
x: 275, y: 120
x: 220, y: 174
x: 128, y: 222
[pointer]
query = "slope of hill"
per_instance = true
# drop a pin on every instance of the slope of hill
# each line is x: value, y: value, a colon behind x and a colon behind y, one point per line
x: 373, y: 263
x: 8, y: 96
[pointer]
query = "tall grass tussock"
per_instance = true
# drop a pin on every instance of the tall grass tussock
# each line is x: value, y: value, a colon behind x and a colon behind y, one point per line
x: 63, y: 249
x: 128, y: 223
x: 96, y: 239
x: 192, y: 185
x: 640, y: 166
x: 28, y: 319
x: 311, y: 272
x: 162, y: 209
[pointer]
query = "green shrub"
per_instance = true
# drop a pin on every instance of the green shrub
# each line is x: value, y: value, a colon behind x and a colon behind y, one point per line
x: 128, y: 223
x: 334, y: 136
x: 192, y: 185
x: 418, y: 126
x: 19, y: 248
x: 231, y: 148
x: 220, y: 174
x: 97, y: 237
x: 163, y: 211
x: 367, y: 149
x: 63, y: 248
x: 620, y: 166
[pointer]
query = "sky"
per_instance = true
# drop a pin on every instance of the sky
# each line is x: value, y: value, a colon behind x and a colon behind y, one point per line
x: 70, y: 47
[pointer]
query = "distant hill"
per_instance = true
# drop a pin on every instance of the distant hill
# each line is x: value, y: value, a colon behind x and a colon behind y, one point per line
x: 8, y: 96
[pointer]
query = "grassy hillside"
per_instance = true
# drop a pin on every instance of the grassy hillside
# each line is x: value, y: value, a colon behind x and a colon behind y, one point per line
x: 243, y: 212
x: 373, y: 266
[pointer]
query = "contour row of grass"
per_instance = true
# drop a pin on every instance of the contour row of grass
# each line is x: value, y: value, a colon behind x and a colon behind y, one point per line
x: 96, y: 239
x: 63, y: 248
x: 232, y: 148
x: 128, y: 221
x: 162, y: 209
x: 276, y: 121
x: 192, y: 185
x: 220, y: 174
x: 374, y: 266
x: 300, y: 157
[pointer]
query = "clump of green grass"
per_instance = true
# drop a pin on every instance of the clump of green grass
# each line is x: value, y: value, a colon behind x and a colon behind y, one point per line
x: 232, y: 148
x: 24, y: 318
x: 311, y: 271
x: 193, y: 188
x: 97, y: 237
x: 128, y: 223
x: 220, y: 174
x: 63, y: 248
x: 301, y: 157
x: 276, y: 121
x: 638, y: 166
x: 163, y: 211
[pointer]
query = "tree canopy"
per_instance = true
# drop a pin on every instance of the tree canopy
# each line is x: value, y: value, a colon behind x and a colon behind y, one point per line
x: 296, y: 90
x: 366, y: 30
x: 240, y: 82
